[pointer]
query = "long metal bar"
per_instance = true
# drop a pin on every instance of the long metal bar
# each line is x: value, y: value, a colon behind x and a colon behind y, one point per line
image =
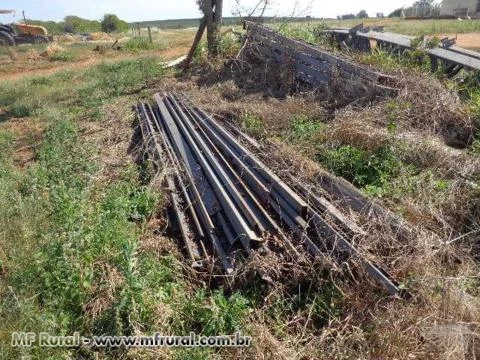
x: 148, y: 133
x: 192, y: 165
x: 212, y: 169
x: 341, y: 244
x: 286, y: 192
x: 250, y: 213
x: 176, y: 166
x: 200, y: 202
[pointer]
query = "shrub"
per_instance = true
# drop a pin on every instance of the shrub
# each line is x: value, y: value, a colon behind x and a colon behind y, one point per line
x: 361, y: 167
x: 137, y: 44
x: 253, y: 124
x: 111, y: 23
x: 305, y: 128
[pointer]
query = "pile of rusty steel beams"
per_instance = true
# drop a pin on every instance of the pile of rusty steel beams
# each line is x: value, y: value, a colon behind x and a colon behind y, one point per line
x: 452, y: 57
x: 314, y: 66
x: 228, y: 203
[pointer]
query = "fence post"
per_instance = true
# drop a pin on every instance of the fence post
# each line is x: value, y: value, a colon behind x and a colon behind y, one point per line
x: 150, y: 34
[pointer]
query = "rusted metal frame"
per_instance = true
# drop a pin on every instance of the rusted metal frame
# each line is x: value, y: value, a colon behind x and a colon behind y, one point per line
x: 182, y: 220
x: 299, y: 56
x: 459, y: 59
x: 318, y: 72
x: 463, y: 57
x: 303, y: 62
x: 203, y: 213
x: 212, y: 171
x: 306, y: 71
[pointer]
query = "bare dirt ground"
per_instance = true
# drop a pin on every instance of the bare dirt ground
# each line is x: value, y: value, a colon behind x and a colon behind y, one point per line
x: 468, y: 41
x: 19, y: 73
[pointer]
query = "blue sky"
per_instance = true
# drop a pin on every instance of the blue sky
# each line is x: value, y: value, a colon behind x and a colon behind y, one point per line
x: 139, y: 10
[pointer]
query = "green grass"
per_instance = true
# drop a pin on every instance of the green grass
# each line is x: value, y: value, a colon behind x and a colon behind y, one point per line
x: 411, y: 27
x: 361, y: 167
x: 304, y: 128
x: 253, y: 124
x: 70, y: 256
x: 138, y: 44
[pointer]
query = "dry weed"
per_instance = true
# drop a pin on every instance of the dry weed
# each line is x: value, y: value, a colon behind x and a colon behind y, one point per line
x: 13, y: 54
x: 33, y: 55
x: 51, y: 50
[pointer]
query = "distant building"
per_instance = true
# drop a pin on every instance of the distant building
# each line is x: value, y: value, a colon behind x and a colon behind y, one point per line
x: 460, y: 8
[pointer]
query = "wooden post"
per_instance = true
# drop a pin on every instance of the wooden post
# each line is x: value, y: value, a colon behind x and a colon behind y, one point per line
x: 198, y: 37
x: 150, y: 34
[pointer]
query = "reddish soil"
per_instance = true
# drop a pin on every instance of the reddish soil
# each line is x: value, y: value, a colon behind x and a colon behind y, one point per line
x: 167, y: 54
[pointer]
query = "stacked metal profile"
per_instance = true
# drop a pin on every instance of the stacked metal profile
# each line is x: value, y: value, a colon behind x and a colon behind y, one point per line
x: 227, y: 202
x: 313, y: 65
x: 453, y: 57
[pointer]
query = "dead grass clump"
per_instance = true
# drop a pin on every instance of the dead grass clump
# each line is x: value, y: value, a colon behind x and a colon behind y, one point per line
x: 65, y: 38
x: 104, y: 290
x: 33, y: 55
x: 358, y: 134
x: 13, y: 54
x: 228, y: 102
x: 101, y: 36
x: 423, y: 104
x: 51, y: 51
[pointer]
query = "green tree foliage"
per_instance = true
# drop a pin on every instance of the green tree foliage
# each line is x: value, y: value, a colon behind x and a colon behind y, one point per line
x: 362, y: 15
x: 111, y: 23
x: 346, y: 17
x: 74, y: 25
x: 51, y: 26
x: 395, y: 13
x: 422, y: 8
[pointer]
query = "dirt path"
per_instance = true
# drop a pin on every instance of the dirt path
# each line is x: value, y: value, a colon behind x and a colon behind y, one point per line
x: 468, y: 41
x: 167, y: 54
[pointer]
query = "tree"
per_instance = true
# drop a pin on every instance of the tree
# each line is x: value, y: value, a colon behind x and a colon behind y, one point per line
x: 75, y: 24
x: 212, y: 11
x: 111, y: 23
x: 347, y: 17
x: 423, y: 7
x: 362, y: 15
x: 396, y: 13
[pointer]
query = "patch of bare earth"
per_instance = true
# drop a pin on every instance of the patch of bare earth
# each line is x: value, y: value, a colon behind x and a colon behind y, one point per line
x: 28, y: 135
x: 19, y: 69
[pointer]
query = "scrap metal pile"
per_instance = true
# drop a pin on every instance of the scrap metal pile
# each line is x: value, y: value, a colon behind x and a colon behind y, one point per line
x: 227, y: 202
x: 314, y: 66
